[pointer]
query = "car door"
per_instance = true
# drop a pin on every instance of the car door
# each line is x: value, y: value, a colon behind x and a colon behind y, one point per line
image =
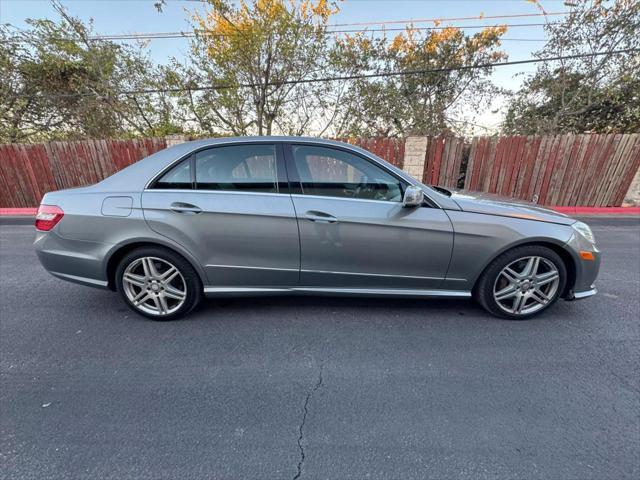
x: 354, y: 230
x: 230, y: 206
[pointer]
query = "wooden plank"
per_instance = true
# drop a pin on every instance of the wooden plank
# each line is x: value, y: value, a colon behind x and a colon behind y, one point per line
x: 501, y: 148
x: 602, y: 144
x: 524, y: 174
x: 605, y: 170
x: 517, y: 166
x: 487, y: 167
x: 548, y: 168
x: 470, y: 163
x: 437, y: 159
x: 560, y: 187
x: 579, y: 170
x: 615, y: 171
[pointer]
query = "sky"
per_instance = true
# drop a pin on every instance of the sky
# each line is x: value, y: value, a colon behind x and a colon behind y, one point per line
x: 140, y: 16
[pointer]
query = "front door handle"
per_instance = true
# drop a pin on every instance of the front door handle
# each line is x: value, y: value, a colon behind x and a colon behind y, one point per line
x: 180, y: 207
x: 320, y: 217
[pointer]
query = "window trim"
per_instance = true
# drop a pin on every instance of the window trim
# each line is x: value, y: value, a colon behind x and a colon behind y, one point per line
x: 295, y: 183
x: 282, y: 180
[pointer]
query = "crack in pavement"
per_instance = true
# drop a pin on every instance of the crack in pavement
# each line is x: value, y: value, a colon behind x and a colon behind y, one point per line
x: 304, y: 420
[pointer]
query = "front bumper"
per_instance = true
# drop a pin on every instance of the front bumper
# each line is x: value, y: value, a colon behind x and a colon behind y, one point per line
x: 583, y: 294
x: 586, y: 271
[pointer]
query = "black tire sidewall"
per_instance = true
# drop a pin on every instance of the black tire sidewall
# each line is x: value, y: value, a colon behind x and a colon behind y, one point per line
x: 484, y: 288
x: 191, y: 278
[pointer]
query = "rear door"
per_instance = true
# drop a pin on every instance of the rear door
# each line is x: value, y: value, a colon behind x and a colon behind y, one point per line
x: 230, y: 207
x: 354, y: 230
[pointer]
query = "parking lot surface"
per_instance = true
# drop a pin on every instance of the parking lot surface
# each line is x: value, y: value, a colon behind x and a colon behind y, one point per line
x: 340, y: 388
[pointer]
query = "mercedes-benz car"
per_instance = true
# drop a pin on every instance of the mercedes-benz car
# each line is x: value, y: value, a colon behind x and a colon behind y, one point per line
x: 290, y: 215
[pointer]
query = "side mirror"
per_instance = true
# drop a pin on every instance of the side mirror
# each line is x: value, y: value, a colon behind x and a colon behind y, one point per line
x: 413, y: 197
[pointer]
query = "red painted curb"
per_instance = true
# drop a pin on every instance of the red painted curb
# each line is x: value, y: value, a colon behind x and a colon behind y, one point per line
x: 597, y: 210
x: 18, y: 211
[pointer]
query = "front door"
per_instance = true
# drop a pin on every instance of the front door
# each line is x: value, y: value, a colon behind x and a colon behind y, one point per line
x: 354, y: 230
x: 230, y: 207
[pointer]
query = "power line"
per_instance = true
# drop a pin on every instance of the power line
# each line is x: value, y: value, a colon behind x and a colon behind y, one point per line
x: 357, y: 77
x: 193, y: 34
x: 450, y: 19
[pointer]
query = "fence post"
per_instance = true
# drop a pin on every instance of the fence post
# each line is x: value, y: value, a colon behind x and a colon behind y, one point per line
x: 415, y: 152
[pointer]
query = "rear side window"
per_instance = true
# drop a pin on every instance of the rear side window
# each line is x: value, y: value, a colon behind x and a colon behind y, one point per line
x: 243, y: 168
x: 179, y: 177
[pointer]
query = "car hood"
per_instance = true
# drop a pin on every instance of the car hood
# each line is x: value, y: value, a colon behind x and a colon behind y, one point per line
x: 491, y: 204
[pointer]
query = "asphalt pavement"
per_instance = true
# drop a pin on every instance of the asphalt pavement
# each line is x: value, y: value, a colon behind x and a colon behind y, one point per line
x: 314, y: 388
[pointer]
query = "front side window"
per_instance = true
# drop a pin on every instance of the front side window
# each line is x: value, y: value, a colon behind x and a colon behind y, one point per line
x: 244, y: 168
x: 331, y: 172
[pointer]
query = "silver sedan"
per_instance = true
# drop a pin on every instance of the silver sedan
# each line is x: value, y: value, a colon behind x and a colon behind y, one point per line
x: 288, y: 215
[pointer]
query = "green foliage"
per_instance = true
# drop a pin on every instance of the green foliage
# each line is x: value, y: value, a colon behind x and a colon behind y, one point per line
x: 418, y: 104
x: 591, y: 94
x: 57, y: 83
x: 253, y: 66
x: 253, y: 48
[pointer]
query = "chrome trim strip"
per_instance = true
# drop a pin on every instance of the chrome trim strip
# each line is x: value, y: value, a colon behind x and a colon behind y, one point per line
x: 585, y: 294
x: 327, y: 197
x: 349, y: 291
x: 372, y: 274
x: 213, y: 192
x: 387, y: 291
x: 244, y: 290
x: 254, y: 268
x: 75, y: 278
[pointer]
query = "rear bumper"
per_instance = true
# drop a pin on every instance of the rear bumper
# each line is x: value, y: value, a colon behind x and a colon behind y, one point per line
x: 72, y: 260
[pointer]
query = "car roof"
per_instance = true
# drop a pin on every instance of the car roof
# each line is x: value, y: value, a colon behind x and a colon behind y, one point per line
x: 136, y: 176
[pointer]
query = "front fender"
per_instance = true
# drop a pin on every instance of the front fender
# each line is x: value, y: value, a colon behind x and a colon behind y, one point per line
x: 480, y: 238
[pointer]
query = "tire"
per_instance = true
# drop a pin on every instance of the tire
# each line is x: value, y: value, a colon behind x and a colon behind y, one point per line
x: 508, y: 289
x: 158, y: 283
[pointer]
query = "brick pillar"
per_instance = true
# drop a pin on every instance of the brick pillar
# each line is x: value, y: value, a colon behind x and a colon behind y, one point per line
x: 632, y: 198
x: 415, y: 153
x: 175, y: 140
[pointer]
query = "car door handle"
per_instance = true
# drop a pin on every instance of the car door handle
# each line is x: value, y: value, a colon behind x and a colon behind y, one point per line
x: 320, y: 217
x: 179, y: 207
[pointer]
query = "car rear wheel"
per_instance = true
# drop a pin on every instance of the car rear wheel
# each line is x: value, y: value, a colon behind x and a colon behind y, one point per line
x: 158, y: 283
x: 522, y: 282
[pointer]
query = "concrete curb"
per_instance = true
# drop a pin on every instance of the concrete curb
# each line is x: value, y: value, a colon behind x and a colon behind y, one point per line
x: 7, y: 212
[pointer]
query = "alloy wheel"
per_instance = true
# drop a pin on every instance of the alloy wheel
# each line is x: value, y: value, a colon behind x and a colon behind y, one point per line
x: 526, y: 285
x: 154, y: 286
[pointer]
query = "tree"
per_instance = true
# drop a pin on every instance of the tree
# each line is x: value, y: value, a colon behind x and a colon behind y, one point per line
x: 256, y: 62
x: 589, y: 94
x: 421, y: 103
x: 57, y: 82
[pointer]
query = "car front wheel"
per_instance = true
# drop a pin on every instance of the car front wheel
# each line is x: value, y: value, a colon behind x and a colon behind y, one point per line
x: 522, y: 282
x: 158, y: 283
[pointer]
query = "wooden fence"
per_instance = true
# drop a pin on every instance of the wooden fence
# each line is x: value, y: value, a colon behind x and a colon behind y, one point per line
x: 27, y: 172
x: 569, y: 170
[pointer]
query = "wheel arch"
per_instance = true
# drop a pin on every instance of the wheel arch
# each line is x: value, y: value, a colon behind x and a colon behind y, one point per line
x: 117, y: 253
x: 557, y: 247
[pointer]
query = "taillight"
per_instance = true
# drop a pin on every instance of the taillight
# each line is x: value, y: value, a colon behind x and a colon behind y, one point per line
x: 47, y: 217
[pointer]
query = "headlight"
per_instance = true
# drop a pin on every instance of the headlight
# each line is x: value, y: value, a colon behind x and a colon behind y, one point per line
x: 584, y: 230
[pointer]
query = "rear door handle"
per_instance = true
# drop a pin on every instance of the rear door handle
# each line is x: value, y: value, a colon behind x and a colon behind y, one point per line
x: 320, y: 217
x: 180, y: 207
